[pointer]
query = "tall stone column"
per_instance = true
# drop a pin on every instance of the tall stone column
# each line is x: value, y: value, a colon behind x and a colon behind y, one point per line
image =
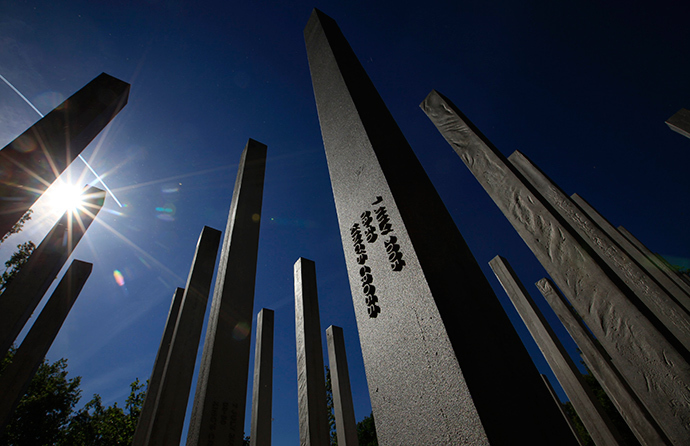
x: 171, y: 404
x: 153, y: 388
x: 25, y: 292
x: 345, y: 424
x: 668, y: 314
x: 655, y: 259
x: 262, y: 395
x: 443, y: 362
x: 311, y: 383
x: 558, y: 404
x: 629, y: 406
x: 16, y: 378
x: 680, y: 122
x: 652, y: 364
x: 30, y: 163
x: 669, y: 286
x: 221, y: 390
x: 595, y: 420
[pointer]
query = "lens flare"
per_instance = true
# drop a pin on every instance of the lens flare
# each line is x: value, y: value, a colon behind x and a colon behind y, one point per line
x: 119, y: 278
x: 66, y: 197
x: 240, y: 331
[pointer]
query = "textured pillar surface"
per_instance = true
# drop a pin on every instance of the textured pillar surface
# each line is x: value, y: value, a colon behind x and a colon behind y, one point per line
x: 653, y: 366
x: 668, y: 314
x: 345, y: 424
x: 16, y: 378
x: 595, y: 420
x: 146, y: 416
x: 171, y: 404
x: 680, y: 122
x: 311, y: 383
x: 25, y: 292
x: 262, y: 395
x: 221, y: 390
x: 443, y: 362
x: 674, y: 290
x: 629, y: 406
x: 656, y: 260
x: 38, y: 156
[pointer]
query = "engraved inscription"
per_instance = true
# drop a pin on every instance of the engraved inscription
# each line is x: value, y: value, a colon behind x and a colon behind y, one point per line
x: 370, y: 222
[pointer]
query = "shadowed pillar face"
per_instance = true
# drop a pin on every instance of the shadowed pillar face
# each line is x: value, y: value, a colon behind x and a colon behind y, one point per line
x: 442, y: 360
x: 30, y: 163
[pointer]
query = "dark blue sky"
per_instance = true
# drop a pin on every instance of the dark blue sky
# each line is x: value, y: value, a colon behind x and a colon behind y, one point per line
x: 581, y: 88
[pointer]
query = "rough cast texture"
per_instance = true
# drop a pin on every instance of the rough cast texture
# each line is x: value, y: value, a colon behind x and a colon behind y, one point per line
x: 24, y: 293
x: 675, y: 291
x: 667, y: 314
x: 221, y: 390
x: 153, y: 387
x: 654, y: 368
x: 580, y: 395
x: 680, y: 122
x: 171, y: 405
x: 311, y: 384
x: 262, y: 395
x: 36, y: 157
x: 345, y: 424
x: 655, y: 259
x: 17, y: 376
x: 443, y: 363
x: 629, y: 406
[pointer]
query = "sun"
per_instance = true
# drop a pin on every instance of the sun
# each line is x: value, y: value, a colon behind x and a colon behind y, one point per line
x: 66, y: 197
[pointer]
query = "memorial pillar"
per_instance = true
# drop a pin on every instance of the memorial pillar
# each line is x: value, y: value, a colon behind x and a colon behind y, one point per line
x: 24, y: 293
x: 153, y: 388
x: 16, y: 378
x: 559, y: 405
x: 668, y: 314
x: 171, y: 405
x: 669, y: 286
x: 629, y: 406
x: 595, y: 420
x: 652, y: 364
x: 262, y: 394
x: 442, y: 359
x: 311, y: 383
x: 30, y: 163
x: 221, y: 390
x: 680, y: 122
x: 346, y: 426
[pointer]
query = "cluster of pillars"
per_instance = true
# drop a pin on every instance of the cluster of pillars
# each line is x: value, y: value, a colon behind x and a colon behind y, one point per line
x: 630, y: 314
x: 29, y: 165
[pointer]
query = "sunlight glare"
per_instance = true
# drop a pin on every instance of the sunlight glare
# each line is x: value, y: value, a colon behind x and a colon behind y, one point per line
x: 67, y: 197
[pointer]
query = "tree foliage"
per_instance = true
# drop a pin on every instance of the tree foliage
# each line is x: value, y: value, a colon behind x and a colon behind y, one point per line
x: 45, y: 410
x: 46, y: 416
x: 20, y: 257
x: 17, y: 227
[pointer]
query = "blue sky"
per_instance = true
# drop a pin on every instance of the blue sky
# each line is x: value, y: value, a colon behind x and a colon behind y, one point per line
x: 581, y: 88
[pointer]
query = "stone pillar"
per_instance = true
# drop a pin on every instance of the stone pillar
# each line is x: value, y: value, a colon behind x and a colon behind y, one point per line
x: 346, y: 426
x: 442, y: 359
x: 595, y: 420
x: 16, y: 378
x: 655, y: 259
x: 629, y: 406
x: 31, y: 162
x: 652, y: 364
x: 153, y: 389
x: 557, y: 401
x: 262, y: 395
x: 680, y: 122
x: 221, y: 390
x: 668, y: 313
x: 171, y: 404
x: 311, y: 383
x: 25, y: 292
x: 669, y: 286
